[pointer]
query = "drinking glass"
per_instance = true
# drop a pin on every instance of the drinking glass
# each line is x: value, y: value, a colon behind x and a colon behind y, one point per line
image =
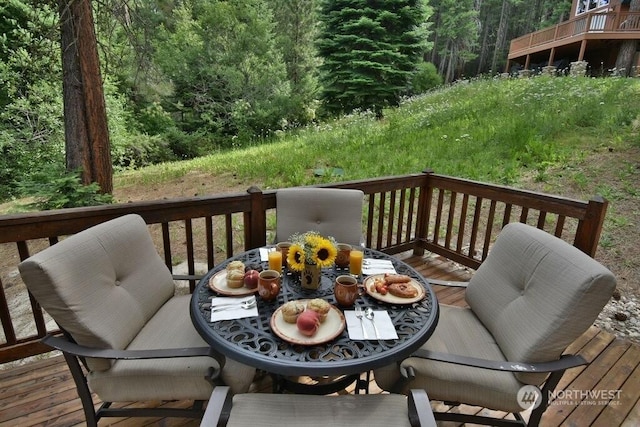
x: 355, y: 262
x: 275, y: 260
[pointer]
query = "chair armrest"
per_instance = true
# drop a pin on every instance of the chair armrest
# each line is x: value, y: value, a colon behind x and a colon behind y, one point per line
x: 219, y: 400
x: 67, y: 346
x: 449, y: 283
x: 566, y: 361
x: 420, y: 413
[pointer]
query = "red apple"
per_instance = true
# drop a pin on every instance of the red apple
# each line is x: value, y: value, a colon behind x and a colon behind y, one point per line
x: 308, y: 322
x: 251, y: 279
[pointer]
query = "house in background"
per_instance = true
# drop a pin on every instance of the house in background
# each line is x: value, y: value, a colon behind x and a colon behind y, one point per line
x: 591, y: 37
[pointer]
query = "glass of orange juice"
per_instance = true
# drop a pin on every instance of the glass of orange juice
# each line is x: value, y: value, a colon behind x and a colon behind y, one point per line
x: 275, y: 260
x: 355, y: 262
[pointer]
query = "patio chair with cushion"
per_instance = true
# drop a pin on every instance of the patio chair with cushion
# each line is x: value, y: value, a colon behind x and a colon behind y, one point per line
x: 532, y: 297
x: 128, y: 336
x: 330, y: 211
x: 295, y: 410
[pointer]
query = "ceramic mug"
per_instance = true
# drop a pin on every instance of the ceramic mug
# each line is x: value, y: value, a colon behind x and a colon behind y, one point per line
x: 283, y: 247
x: 346, y: 290
x: 342, y: 259
x: 269, y: 284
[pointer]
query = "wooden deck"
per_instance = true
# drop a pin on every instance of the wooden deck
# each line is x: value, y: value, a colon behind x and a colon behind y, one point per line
x: 42, y: 393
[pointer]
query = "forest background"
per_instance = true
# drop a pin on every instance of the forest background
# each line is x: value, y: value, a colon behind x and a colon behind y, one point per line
x: 191, y: 77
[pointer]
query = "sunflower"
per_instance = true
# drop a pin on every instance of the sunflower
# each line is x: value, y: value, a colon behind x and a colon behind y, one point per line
x: 296, y: 258
x: 311, y: 248
x: 324, y: 253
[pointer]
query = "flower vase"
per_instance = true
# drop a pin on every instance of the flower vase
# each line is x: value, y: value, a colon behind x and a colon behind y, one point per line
x: 310, y: 277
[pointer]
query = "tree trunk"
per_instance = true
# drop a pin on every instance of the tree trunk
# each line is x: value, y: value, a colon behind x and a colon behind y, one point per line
x: 627, y: 52
x: 85, y: 115
x: 501, y: 36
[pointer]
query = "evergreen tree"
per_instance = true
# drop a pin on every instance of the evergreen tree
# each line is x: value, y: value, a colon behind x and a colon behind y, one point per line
x: 370, y: 51
x: 296, y: 30
x: 228, y: 74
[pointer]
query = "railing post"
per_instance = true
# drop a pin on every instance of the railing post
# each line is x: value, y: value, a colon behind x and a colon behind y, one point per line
x: 423, y: 213
x: 590, y: 228
x: 255, y: 221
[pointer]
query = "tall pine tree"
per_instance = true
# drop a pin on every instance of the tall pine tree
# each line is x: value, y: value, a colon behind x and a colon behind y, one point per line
x: 370, y: 51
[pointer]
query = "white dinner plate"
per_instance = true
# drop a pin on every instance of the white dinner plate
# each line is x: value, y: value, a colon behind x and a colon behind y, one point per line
x: 392, y: 299
x: 333, y: 326
x: 218, y: 283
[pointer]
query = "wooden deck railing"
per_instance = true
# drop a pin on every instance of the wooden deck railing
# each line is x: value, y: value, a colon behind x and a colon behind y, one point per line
x: 453, y: 217
x: 595, y: 23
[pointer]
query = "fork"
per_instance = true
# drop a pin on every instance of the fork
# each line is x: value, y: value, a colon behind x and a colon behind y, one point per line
x: 360, y: 315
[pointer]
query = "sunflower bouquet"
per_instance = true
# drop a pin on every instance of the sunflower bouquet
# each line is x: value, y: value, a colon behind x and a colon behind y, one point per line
x: 311, y: 248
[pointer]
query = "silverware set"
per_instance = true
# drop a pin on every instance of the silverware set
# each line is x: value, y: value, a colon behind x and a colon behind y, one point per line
x: 368, y: 314
x: 247, y: 304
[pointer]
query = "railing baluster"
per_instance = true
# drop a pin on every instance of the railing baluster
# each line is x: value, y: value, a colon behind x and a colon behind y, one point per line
x: 462, y: 223
x: 559, y: 226
x: 208, y: 225
x: 191, y: 262
x: 391, y: 216
x: 228, y: 223
x: 402, y: 221
x: 166, y: 245
x: 474, y: 228
x: 452, y: 211
x: 381, y: 214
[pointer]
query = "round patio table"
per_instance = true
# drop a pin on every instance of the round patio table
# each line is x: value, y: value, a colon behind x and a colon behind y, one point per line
x: 252, y: 342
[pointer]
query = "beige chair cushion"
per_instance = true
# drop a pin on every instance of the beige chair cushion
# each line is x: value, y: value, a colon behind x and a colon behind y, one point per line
x: 329, y: 211
x: 451, y: 382
x: 98, y: 289
x: 536, y: 294
x: 167, y: 379
x: 269, y: 410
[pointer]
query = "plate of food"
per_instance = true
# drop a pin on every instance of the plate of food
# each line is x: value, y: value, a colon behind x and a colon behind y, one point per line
x: 307, y: 322
x: 394, y: 288
x: 219, y: 283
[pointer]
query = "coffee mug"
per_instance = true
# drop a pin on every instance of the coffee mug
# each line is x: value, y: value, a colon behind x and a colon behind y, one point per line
x: 346, y: 290
x: 342, y: 259
x: 269, y: 284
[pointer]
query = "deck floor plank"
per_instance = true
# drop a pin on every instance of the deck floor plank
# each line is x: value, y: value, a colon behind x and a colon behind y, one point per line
x: 591, y: 406
x: 42, y: 392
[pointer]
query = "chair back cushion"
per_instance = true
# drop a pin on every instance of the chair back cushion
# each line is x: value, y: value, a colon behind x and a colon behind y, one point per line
x: 536, y: 294
x: 102, y: 284
x: 329, y: 211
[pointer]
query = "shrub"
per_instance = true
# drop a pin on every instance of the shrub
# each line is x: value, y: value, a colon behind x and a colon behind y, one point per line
x: 425, y: 78
x: 66, y: 191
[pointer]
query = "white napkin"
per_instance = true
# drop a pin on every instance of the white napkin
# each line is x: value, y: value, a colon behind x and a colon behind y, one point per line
x: 372, y: 266
x: 264, y: 253
x: 383, y: 323
x: 232, y: 313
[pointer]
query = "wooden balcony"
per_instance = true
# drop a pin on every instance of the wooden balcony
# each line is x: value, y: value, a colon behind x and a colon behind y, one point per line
x: 442, y: 226
x: 43, y: 393
x: 590, y: 26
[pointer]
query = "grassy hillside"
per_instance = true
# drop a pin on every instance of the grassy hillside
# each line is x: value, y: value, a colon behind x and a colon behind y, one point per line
x: 492, y: 130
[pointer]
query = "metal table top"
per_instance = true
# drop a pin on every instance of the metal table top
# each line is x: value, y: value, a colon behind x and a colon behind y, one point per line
x: 251, y: 341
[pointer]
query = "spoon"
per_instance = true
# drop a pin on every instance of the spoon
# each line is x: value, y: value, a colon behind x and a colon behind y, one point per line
x: 358, y: 312
x: 244, y: 305
x: 368, y: 313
